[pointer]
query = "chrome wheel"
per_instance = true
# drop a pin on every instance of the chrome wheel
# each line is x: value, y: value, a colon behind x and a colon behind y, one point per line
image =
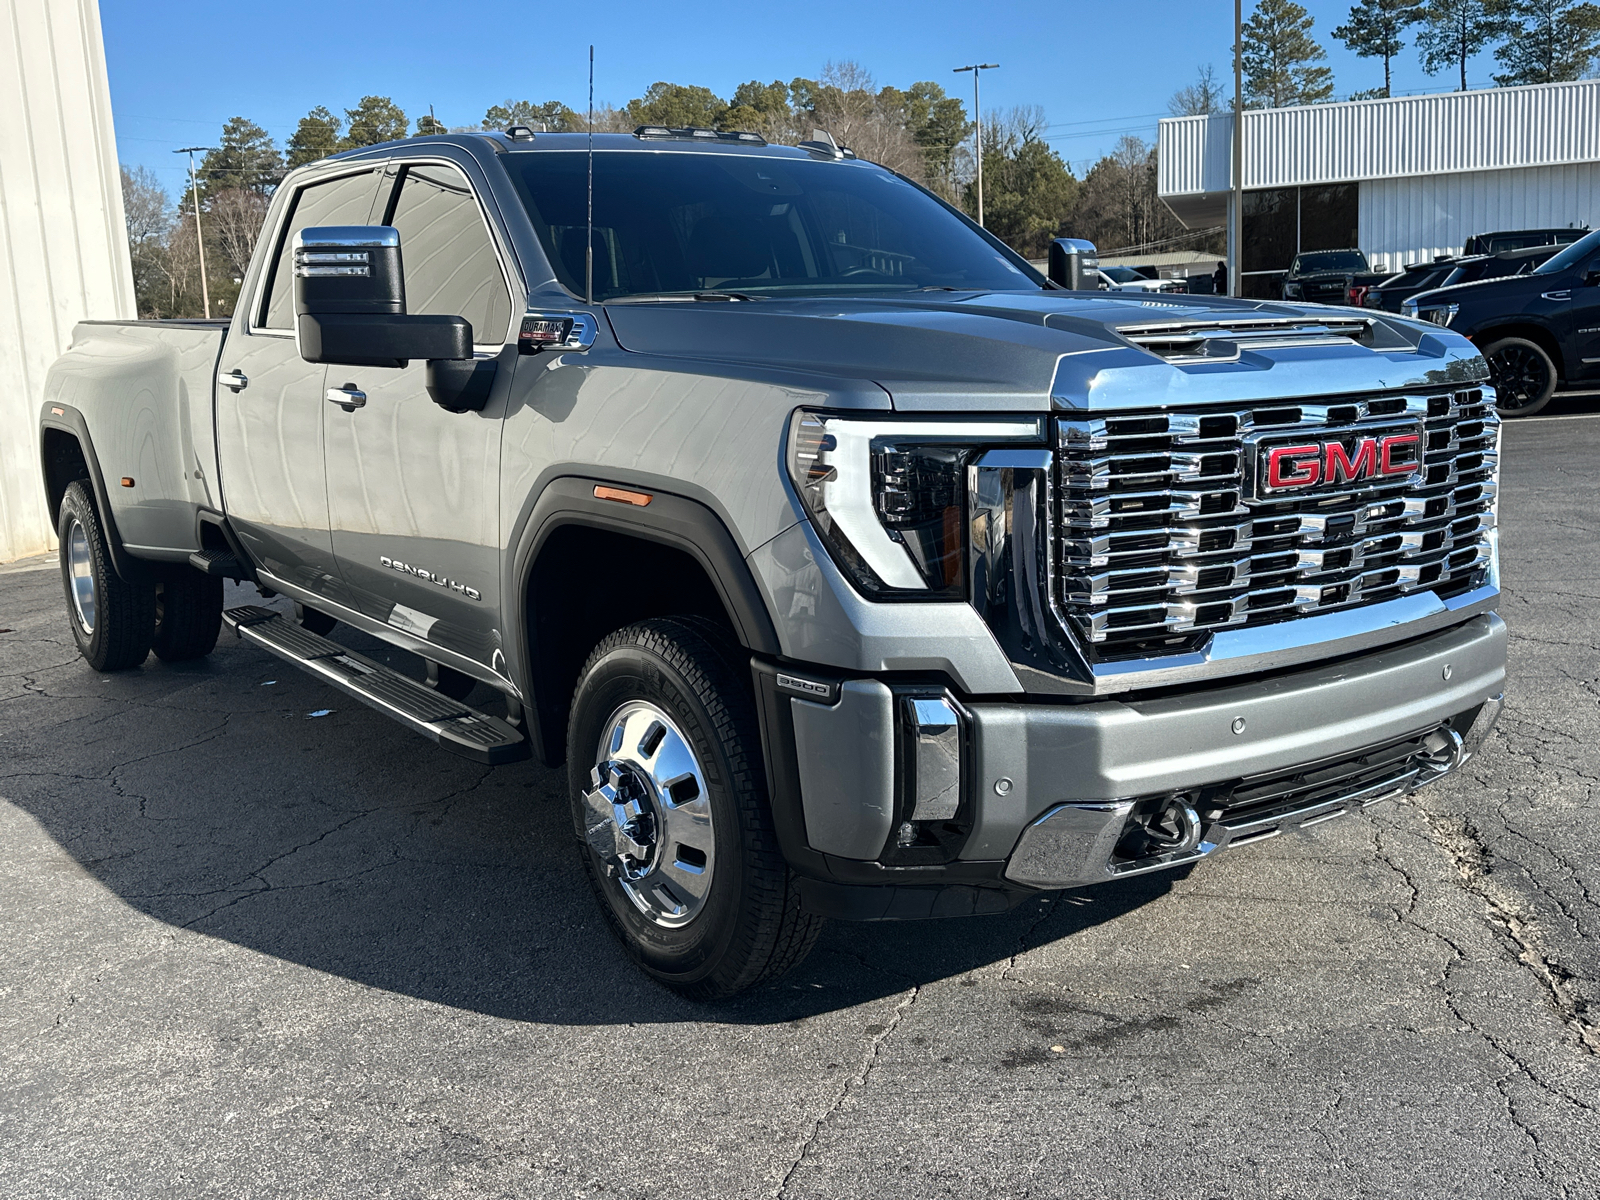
x: 648, y: 815
x: 80, y: 573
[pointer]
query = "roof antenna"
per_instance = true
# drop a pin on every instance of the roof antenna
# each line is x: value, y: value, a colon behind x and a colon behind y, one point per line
x: 588, y: 241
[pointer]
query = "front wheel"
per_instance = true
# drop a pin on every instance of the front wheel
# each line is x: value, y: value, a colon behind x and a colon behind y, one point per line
x: 113, y: 619
x: 670, y: 810
x: 1523, y: 374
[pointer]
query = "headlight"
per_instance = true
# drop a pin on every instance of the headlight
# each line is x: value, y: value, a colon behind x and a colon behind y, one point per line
x: 888, y: 496
x: 1291, y: 291
x: 1441, y: 314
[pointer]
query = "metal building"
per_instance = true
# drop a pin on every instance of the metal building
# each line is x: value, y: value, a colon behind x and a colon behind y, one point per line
x: 1405, y: 180
x: 63, y: 244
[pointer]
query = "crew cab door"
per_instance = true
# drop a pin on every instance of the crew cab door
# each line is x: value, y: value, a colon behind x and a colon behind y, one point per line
x: 413, y: 488
x: 270, y: 406
x: 1578, y: 324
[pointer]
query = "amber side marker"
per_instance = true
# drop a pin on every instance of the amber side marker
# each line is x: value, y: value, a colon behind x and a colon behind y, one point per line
x: 59, y: 412
x: 127, y: 481
x: 622, y: 495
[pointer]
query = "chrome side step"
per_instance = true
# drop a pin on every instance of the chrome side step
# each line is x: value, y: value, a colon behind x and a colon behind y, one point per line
x: 453, y: 725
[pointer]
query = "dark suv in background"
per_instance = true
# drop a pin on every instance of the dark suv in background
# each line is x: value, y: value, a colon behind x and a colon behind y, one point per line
x: 1521, y: 239
x: 1538, y: 330
x: 1448, y: 271
x: 1328, y: 276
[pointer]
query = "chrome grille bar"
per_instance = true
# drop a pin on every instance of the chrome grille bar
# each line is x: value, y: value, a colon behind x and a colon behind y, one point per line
x: 1157, y: 544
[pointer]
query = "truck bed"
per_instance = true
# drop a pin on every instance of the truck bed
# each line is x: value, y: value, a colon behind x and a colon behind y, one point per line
x: 142, y: 394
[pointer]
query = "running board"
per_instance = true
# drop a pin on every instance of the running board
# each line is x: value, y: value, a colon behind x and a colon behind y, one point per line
x: 454, y: 726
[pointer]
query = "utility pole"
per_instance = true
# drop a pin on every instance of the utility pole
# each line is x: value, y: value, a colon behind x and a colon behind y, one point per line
x: 1236, y: 208
x: 977, y: 122
x: 194, y: 184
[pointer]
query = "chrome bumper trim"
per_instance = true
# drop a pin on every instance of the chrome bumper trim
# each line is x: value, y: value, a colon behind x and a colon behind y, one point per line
x: 1071, y: 844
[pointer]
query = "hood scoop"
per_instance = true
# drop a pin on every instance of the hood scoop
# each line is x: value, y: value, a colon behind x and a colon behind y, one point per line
x: 1225, y: 340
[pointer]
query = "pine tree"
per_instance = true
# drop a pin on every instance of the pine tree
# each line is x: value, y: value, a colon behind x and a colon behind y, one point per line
x: 1279, y: 56
x: 374, y: 119
x: 1550, y: 41
x: 1453, y: 31
x: 1374, y: 29
x: 317, y: 136
x: 245, y: 158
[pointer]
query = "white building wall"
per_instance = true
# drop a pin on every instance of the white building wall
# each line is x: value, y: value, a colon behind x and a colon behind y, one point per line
x: 1455, y: 132
x: 1419, y: 218
x: 63, y: 244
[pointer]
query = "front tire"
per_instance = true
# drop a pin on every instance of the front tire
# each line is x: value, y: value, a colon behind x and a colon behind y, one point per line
x: 113, y: 619
x: 671, y: 815
x: 1523, y: 374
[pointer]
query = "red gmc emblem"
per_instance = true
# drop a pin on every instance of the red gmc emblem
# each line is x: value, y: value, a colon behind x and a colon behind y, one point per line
x: 1336, y: 463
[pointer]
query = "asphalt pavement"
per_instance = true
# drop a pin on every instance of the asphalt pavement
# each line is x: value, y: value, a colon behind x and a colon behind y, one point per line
x: 258, y: 941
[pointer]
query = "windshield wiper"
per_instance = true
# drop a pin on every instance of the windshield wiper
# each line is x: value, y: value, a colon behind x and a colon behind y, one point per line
x: 686, y: 297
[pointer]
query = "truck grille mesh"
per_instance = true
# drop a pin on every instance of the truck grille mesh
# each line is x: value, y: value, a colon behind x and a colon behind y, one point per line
x: 1157, y: 544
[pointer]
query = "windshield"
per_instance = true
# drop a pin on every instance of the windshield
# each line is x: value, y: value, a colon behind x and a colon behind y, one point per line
x: 1571, y: 256
x: 1121, y: 274
x: 1329, y: 260
x: 670, y: 222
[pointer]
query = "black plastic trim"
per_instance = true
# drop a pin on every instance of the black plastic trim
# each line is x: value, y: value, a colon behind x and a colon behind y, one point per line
x: 669, y: 520
x: 70, y: 420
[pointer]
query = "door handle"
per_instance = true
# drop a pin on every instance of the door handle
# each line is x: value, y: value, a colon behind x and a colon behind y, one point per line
x: 236, y: 381
x: 347, y: 398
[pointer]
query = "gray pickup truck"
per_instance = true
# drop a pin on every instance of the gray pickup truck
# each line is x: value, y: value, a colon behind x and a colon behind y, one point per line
x: 853, y: 567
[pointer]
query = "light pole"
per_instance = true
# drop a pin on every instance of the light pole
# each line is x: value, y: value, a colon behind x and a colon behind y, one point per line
x: 977, y: 122
x: 1236, y: 216
x: 194, y: 183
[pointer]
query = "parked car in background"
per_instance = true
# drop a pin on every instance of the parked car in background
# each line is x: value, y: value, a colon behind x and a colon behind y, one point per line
x: 1448, y: 271
x: 1537, y: 331
x: 1329, y: 277
x: 1126, y: 279
x: 1521, y: 239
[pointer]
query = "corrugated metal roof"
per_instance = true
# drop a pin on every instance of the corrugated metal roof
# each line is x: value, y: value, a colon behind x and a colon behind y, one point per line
x: 1541, y: 125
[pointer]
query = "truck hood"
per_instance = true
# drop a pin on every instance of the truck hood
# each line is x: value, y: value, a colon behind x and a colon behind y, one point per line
x: 1044, y: 351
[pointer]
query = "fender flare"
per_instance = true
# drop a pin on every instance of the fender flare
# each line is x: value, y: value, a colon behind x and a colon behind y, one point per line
x: 669, y: 520
x: 67, y: 419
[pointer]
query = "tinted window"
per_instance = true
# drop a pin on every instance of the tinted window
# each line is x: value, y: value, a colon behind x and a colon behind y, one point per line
x: 683, y: 222
x: 1346, y: 260
x: 1122, y: 274
x: 1571, y: 256
x: 343, y: 201
x: 450, y: 263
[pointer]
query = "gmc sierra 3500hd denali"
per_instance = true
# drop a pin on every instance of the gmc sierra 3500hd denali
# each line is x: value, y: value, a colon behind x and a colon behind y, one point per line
x: 853, y: 568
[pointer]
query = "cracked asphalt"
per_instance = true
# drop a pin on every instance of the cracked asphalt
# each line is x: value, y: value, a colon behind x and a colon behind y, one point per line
x: 250, y: 951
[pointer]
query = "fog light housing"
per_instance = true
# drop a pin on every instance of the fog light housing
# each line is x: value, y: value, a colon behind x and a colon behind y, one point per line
x: 931, y: 758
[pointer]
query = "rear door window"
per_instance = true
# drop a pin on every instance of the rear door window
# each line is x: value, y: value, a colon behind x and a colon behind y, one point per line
x: 450, y: 262
x: 346, y: 200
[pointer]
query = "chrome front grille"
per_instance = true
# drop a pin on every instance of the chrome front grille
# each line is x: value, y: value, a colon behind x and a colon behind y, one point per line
x: 1158, y: 543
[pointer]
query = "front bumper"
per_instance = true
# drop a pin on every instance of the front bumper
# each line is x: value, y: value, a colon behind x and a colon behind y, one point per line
x: 1050, y: 792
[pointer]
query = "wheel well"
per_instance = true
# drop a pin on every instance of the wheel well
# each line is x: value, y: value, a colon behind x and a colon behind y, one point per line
x: 64, y: 462
x: 1537, y: 334
x: 587, y: 583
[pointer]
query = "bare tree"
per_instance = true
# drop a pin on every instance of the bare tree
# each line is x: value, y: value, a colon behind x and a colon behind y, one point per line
x: 1199, y: 99
x: 849, y: 106
x: 148, y: 213
x: 235, y: 216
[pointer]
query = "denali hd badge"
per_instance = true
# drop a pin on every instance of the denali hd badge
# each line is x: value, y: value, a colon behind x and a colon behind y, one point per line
x: 1282, y: 465
x: 471, y: 593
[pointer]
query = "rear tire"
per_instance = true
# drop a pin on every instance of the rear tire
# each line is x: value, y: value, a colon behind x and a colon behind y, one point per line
x: 1523, y: 374
x: 113, y: 619
x: 663, y: 727
x: 188, y: 616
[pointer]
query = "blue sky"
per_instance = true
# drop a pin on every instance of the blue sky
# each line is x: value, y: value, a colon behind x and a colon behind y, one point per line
x: 1099, y: 69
